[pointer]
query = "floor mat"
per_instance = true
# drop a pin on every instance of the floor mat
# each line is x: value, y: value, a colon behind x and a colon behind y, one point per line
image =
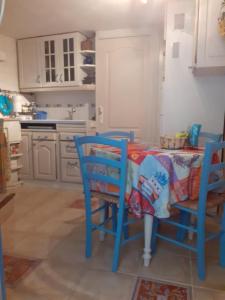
x: 148, y: 289
x: 17, y: 268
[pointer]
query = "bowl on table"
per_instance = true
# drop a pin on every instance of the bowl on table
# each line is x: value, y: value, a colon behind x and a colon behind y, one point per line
x: 172, y: 143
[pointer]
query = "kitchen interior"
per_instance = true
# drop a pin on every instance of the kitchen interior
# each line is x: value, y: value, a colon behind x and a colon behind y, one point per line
x: 75, y: 68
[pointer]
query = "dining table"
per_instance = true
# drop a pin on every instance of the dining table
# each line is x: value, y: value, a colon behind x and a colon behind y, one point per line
x: 156, y: 179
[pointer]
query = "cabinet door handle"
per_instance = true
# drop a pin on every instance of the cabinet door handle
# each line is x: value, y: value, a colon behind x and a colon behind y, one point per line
x: 60, y: 78
x: 70, y: 147
x: 73, y: 165
x: 38, y: 79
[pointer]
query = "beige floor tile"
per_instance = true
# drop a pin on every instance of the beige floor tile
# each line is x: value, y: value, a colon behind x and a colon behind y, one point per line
x: 69, y: 251
x: 204, y: 294
x: 100, y: 285
x: 130, y: 256
x: 10, y: 240
x: 36, y: 246
x: 55, y: 228
x: 215, y: 275
x: 54, y: 278
x: 32, y: 294
x: 169, y: 267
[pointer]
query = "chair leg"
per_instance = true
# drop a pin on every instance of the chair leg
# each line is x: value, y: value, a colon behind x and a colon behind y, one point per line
x: 201, y: 252
x: 119, y: 231
x: 114, y: 217
x: 102, y: 218
x: 184, y: 220
x: 88, y: 228
x: 154, y: 237
x: 2, y: 291
x: 126, y: 228
x: 106, y: 210
x: 222, y: 240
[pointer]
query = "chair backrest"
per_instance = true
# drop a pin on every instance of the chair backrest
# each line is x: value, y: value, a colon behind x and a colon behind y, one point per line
x: 129, y: 135
x: 205, y: 137
x: 88, y: 162
x: 208, y: 168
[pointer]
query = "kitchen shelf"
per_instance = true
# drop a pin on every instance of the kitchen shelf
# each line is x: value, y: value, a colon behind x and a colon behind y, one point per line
x: 88, y: 52
x: 83, y: 87
x: 87, y: 66
x: 16, y: 155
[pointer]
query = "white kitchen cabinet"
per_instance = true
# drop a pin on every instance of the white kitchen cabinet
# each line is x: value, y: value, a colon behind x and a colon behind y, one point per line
x: 27, y: 158
x: 209, y: 45
x: 50, y: 61
x: 70, y: 170
x: 124, y: 96
x: 44, y: 158
x: 70, y: 59
x: 29, y: 60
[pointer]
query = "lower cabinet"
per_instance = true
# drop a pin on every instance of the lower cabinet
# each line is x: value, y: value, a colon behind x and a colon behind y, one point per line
x: 70, y: 170
x: 27, y: 158
x: 44, y: 158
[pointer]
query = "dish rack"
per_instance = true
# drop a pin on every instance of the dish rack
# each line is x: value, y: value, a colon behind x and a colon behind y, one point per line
x: 172, y: 143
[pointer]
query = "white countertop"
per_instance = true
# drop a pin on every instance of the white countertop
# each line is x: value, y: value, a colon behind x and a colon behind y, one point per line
x: 57, y: 121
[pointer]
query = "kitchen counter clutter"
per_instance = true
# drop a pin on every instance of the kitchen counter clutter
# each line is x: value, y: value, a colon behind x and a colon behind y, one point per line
x: 49, y: 151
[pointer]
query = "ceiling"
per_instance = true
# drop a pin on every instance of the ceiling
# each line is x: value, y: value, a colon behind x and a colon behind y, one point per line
x: 25, y: 18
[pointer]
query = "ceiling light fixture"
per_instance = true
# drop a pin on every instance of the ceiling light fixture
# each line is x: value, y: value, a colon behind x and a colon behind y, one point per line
x: 144, y: 1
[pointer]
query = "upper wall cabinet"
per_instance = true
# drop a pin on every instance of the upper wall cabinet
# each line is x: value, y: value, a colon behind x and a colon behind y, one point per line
x: 29, y: 63
x: 209, y: 45
x: 50, y: 62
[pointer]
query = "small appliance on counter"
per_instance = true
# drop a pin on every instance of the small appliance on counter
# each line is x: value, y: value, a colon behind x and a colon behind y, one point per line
x: 23, y: 108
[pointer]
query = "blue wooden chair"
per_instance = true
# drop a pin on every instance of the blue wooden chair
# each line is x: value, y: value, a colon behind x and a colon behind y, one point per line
x: 208, y: 199
x: 129, y: 135
x: 91, y: 174
x: 118, y: 134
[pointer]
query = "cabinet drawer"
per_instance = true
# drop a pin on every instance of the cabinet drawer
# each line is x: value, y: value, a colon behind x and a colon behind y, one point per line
x: 69, y: 136
x: 68, y: 150
x: 50, y: 136
x: 70, y: 170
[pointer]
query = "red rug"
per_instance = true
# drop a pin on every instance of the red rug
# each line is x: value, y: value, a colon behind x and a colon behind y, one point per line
x: 17, y: 268
x: 147, y: 289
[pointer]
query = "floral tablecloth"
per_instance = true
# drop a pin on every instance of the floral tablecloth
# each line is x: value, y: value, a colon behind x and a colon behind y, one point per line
x: 157, y: 178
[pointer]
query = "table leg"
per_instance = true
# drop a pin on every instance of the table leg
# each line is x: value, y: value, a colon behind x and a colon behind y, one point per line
x: 148, y: 221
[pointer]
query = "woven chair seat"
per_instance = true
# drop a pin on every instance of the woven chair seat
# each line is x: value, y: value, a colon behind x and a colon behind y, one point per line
x: 104, y: 196
x: 213, y: 200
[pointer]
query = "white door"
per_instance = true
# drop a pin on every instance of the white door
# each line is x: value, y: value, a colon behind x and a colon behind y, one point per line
x: 123, y: 84
x: 50, y: 61
x: 44, y: 154
x: 29, y: 63
x: 26, y: 159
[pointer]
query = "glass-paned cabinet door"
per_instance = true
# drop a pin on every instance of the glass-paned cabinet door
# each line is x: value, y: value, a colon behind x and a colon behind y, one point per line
x: 50, y: 62
x: 68, y: 48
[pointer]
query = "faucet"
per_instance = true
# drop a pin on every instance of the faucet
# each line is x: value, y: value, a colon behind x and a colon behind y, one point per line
x: 71, y: 112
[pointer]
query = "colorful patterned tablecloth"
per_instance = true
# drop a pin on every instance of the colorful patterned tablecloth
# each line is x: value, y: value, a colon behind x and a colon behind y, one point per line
x: 157, y: 178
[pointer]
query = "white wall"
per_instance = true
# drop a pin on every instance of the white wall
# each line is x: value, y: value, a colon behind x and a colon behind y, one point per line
x: 65, y: 98
x: 8, y: 68
x: 186, y: 98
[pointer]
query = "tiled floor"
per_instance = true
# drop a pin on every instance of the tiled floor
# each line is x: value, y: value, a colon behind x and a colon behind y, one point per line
x: 47, y: 225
